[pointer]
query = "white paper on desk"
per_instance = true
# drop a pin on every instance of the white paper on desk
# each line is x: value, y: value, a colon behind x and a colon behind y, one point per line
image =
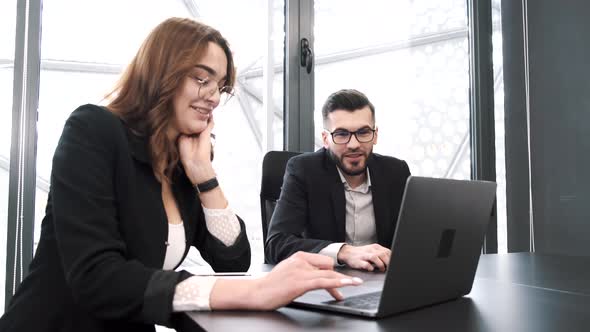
x: 233, y: 275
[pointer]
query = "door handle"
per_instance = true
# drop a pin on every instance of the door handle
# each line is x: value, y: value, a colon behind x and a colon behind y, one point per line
x: 306, y: 55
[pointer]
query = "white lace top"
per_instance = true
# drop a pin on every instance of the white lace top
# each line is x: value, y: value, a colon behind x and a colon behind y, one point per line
x: 193, y: 293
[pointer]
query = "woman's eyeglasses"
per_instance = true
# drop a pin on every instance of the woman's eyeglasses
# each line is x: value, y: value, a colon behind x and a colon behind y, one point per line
x: 207, y: 88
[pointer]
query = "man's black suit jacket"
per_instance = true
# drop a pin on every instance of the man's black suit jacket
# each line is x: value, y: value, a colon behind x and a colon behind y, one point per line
x: 310, y: 212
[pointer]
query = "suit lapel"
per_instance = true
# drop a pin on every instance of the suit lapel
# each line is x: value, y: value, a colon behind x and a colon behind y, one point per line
x: 379, y: 195
x: 182, y: 191
x: 337, y: 193
x: 339, y: 204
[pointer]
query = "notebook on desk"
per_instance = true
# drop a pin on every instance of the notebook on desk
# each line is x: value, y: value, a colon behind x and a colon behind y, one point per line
x: 434, y: 254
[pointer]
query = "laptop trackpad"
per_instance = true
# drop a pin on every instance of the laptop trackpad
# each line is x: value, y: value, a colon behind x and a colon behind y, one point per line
x: 322, y: 296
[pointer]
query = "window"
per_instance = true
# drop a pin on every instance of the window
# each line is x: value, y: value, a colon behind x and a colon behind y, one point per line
x: 411, y: 60
x: 81, y: 65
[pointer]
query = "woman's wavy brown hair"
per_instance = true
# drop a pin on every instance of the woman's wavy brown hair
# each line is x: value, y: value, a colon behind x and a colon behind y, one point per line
x: 143, y: 95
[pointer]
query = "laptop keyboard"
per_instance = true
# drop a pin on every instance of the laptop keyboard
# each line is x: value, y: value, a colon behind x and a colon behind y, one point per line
x: 369, y: 301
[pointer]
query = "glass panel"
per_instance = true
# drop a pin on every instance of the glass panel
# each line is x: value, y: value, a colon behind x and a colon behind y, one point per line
x: 411, y: 59
x: 8, y: 28
x: 499, y: 124
x: 239, y: 126
x: 80, y: 66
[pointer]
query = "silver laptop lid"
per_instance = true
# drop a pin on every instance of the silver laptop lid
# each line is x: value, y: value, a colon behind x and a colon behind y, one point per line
x: 437, y: 242
x: 435, y: 251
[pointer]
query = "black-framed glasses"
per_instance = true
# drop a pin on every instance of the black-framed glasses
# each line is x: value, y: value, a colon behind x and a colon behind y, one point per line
x: 207, y: 88
x: 342, y: 136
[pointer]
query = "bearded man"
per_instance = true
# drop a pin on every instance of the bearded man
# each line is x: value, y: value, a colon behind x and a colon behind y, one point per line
x: 342, y: 200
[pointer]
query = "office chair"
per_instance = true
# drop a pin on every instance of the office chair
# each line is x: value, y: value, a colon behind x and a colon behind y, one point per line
x: 273, y: 171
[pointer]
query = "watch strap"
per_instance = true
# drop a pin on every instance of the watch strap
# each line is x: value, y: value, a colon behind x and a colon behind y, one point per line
x: 207, y: 185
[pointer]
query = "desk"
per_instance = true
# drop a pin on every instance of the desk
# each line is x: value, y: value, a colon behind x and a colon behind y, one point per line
x: 511, y: 293
x: 564, y: 273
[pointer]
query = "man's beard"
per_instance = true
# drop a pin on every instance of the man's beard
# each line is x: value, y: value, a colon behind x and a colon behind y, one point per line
x: 340, y: 164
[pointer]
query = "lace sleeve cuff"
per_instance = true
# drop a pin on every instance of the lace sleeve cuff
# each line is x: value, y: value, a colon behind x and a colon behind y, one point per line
x: 193, y: 294
x: 223, y: 224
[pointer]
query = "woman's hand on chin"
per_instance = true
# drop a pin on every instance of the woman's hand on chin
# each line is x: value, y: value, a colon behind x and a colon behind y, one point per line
x: 195, y: 154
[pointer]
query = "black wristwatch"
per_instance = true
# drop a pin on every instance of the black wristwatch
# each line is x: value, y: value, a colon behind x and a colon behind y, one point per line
x: 207, y: 185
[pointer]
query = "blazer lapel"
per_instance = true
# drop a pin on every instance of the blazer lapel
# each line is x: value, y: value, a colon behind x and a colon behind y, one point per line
x: 379, y: 195
x: 337, y: 193
x: 182, y: 191
x: 157, y: 232
x: 339, y: 204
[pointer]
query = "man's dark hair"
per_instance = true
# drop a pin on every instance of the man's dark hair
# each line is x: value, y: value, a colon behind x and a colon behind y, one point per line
x: 346, y: 99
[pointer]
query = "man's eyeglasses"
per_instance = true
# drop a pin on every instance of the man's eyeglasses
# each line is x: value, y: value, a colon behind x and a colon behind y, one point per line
x: 342, y: 136
x: 207, y: 88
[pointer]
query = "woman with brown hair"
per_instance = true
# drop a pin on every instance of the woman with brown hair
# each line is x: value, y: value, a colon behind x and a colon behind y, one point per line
x: 132, y: 187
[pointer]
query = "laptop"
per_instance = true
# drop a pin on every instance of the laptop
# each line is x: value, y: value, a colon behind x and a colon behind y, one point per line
x: 434, y: 254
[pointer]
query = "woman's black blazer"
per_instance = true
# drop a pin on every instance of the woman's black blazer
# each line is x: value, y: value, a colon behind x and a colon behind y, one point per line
x: 98, y: 265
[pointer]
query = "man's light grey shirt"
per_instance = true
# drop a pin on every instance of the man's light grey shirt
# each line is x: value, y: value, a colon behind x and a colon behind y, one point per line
x: 360, y: 217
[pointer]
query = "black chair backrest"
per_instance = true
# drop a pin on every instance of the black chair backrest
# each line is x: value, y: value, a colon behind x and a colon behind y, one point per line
x: 273, y: 171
